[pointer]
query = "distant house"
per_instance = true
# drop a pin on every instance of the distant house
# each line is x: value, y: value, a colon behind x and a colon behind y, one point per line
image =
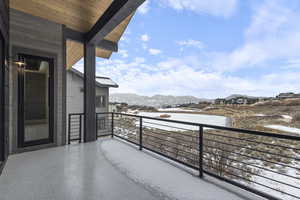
x: 237, y: 100
x: 220, y: 101
x: 288, y: 95
x: 244, y: 100
x: 75, y: 91
x: 114, y: 107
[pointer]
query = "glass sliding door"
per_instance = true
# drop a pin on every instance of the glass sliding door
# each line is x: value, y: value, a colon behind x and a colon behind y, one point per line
x: 35, y: 100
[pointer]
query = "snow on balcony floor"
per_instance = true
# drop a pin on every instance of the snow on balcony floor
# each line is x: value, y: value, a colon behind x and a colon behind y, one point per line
x: 76, y: 172
x: 161, y: 176
x: 106, y: 170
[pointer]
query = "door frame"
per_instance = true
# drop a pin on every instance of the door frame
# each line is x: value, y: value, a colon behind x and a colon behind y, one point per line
x: 21, y: 128
x: 2, y: 99
x: 4, y: 34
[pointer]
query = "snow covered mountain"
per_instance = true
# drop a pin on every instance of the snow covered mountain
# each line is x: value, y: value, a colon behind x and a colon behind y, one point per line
x: 155, y: 101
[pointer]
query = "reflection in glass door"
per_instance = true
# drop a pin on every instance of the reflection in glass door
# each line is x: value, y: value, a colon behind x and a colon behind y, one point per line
x: 35, y: 101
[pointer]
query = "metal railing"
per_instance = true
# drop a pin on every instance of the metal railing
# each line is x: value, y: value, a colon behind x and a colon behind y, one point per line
x: 104, y: 125
x: 266, y: 164
x: 75, y: 127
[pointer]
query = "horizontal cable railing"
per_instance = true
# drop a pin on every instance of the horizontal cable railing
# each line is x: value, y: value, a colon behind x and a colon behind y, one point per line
x: 103, y: 124
x: 266, y: 164
x: 75, y: 127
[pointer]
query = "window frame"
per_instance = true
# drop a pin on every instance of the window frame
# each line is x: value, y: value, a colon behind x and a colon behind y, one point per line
x: 100, y: 101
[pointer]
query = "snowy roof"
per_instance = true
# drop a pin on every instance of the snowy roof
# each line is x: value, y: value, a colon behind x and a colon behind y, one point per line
x: 100, y: 81
x: 106, y: 82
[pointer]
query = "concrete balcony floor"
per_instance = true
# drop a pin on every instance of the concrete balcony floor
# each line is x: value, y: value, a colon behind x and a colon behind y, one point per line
x: 88, y: 172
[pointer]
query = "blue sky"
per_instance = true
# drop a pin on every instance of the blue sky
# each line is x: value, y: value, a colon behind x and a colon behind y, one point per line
x: 209, y: 49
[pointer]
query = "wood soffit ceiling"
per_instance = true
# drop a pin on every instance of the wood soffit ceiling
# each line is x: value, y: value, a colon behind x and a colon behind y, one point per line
x: 79, y: 15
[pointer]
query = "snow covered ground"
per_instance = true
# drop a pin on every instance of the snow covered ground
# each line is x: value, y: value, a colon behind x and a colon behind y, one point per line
x: 277, y: 185
x: 284, y: 128
x: 259, y: 115
x: 178, y: 109
x: 285, y: 118
x: 194, y: 118
x: 163, y: 177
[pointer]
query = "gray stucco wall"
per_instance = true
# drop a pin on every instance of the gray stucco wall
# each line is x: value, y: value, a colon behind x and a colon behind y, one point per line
x: 75, y: 94
x: 36, y: 36
x: 75, y: 98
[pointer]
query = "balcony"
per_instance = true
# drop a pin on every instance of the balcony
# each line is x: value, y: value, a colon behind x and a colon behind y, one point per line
x: 265, y: 164
x: 106, y: 169
x: 153, y: 158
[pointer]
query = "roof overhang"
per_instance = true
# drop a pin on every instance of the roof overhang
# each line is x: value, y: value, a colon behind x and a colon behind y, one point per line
x: 100, y: 81
x: 101, y: 22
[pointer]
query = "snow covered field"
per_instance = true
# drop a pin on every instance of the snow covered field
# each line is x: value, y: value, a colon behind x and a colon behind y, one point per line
x: 285, y: 187
x: 178, y: 109
x: 284, y: 128
x: 194, y: 118
x: 161, y: 176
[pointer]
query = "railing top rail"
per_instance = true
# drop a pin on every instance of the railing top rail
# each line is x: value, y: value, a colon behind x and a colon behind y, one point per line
x: 253, y: 132
x: 76, y: 114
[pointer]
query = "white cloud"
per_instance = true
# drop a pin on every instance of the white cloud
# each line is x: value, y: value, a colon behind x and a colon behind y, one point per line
x: 144, y: 46
x: 144, y: 8
x: 145, y: 38
x: 191, y: 43
x: 123, y: 53
x: 292, y: 64
x: 154, y: 51
x: 224, y: 8
x: 178, y: 77
x: 125, y: 37
x: 274, y: 34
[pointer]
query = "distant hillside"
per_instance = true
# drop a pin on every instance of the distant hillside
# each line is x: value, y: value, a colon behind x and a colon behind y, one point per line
x: 156, y: 101
x: 239, y: 95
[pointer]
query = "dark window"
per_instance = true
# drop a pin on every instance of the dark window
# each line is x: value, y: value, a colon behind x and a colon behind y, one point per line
x: 101, y: 123
x: 101, y: 101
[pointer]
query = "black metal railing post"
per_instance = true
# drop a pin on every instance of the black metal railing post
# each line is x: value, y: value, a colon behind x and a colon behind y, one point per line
x: 80, y: 129
x: 141, y: 133
x: 97, y: 121
x: 69, y: 130
x: 112, y: 124
x: 200, y: 151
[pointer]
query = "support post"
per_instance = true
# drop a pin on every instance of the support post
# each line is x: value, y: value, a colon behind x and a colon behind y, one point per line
x: 112, y: 124
x: 89, y: 92
x: 201, y: 151
x: 141, y: 133
x: 64, y: 86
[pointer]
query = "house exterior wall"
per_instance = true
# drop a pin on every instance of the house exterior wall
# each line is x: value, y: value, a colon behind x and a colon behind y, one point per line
x: 36, y: 36
x: 75, y: 92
